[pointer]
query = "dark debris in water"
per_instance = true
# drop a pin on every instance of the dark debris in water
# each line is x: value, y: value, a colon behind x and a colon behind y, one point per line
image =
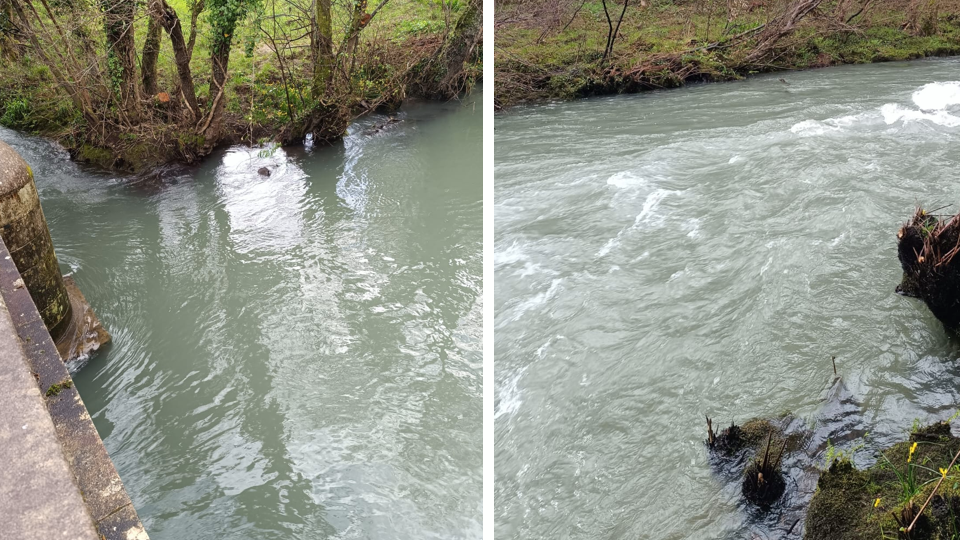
x: 157, y: 179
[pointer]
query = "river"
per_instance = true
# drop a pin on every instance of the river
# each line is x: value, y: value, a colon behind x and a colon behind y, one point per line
x: 707, y: 250
x: 294, y: 356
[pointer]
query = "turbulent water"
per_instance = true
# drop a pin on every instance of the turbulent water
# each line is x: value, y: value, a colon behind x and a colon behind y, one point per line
x: 294, y: 356
x: 706, y: 251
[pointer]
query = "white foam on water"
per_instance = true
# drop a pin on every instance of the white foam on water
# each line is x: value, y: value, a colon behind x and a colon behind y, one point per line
x: 693, y: 226
x: 532, y: 269
x: 647, y: 216
x: 893, y: 113
x: 611, y: 243
x: 937, y: 96
x: 812, y: 128
x: 809, y: 128
x: 734, y: 159
x: 509, y: 396
x: 836, y: 241
x: 538, y: 299
x: 933, y: 102
x: 642, y: 256
x: 626, y: 179
x: 510, y: 255
x: 648, y: 212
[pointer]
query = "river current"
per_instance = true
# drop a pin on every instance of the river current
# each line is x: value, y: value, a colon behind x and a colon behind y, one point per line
x: 296, y: 355
x: 707, y: 250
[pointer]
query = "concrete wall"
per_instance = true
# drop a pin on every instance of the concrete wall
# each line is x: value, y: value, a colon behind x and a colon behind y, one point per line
x: 56, y: 479
x: 24, y: 230
x: 39, y: 497
x: 25, y: 341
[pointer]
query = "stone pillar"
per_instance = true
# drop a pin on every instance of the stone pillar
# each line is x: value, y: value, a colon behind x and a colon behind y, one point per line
x: 24, y: 231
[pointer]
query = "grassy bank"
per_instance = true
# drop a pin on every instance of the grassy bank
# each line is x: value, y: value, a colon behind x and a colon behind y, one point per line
x: 913, y: 481
x: 555, y: 50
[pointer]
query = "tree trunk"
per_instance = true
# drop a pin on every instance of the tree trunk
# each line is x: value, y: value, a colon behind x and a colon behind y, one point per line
x: 323, y: 53
x: 6, y: 18
x: 9, y: 45
x: 151, y: 51
x: 445, y: 77
x: 122, y: 52
x: 195, y: 11
x: 359, y: 19
x: 219, y: 60
x: 167, y: 18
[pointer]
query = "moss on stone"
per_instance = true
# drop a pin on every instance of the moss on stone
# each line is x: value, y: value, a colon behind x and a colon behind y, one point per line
x: 846, y: 502
x: 94, y: 155
x: 56, y: 388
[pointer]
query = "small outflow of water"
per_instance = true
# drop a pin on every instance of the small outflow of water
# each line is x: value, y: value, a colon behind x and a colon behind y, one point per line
x: 295, y: 356
x: 668, y: 255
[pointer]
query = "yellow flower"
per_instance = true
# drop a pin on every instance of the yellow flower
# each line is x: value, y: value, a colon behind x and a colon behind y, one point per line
x: 912, y: 450
x: 876, y: 503
x: 944, y: 472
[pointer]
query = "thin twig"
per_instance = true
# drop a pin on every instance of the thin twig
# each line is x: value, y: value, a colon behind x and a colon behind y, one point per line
x: 935, y: 488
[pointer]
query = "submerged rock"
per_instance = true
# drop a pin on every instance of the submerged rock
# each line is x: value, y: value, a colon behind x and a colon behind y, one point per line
x: 264, y: 171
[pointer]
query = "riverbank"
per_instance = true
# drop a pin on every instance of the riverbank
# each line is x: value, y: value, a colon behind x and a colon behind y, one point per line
x: 554, y: 52
x: 259, y: 72
x: 913, y: 485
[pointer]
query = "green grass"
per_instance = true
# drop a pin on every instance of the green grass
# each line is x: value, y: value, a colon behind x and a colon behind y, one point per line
x: 532, y: 65
x: 861, y: 504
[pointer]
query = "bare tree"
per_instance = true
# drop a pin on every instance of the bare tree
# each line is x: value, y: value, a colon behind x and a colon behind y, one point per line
x: 168, y: 19
x: 613, y: 31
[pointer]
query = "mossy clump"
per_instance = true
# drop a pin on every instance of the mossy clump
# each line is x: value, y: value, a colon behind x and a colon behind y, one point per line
x: 754, y: 452
x: 56, y: 388
x: 763, y: 483
x: 877, y: 502
x: 750, y: 435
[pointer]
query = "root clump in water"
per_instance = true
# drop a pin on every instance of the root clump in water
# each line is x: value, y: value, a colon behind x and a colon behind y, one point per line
x: 763, y: 483
x: 760, y: 444
x: 927, y: 247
